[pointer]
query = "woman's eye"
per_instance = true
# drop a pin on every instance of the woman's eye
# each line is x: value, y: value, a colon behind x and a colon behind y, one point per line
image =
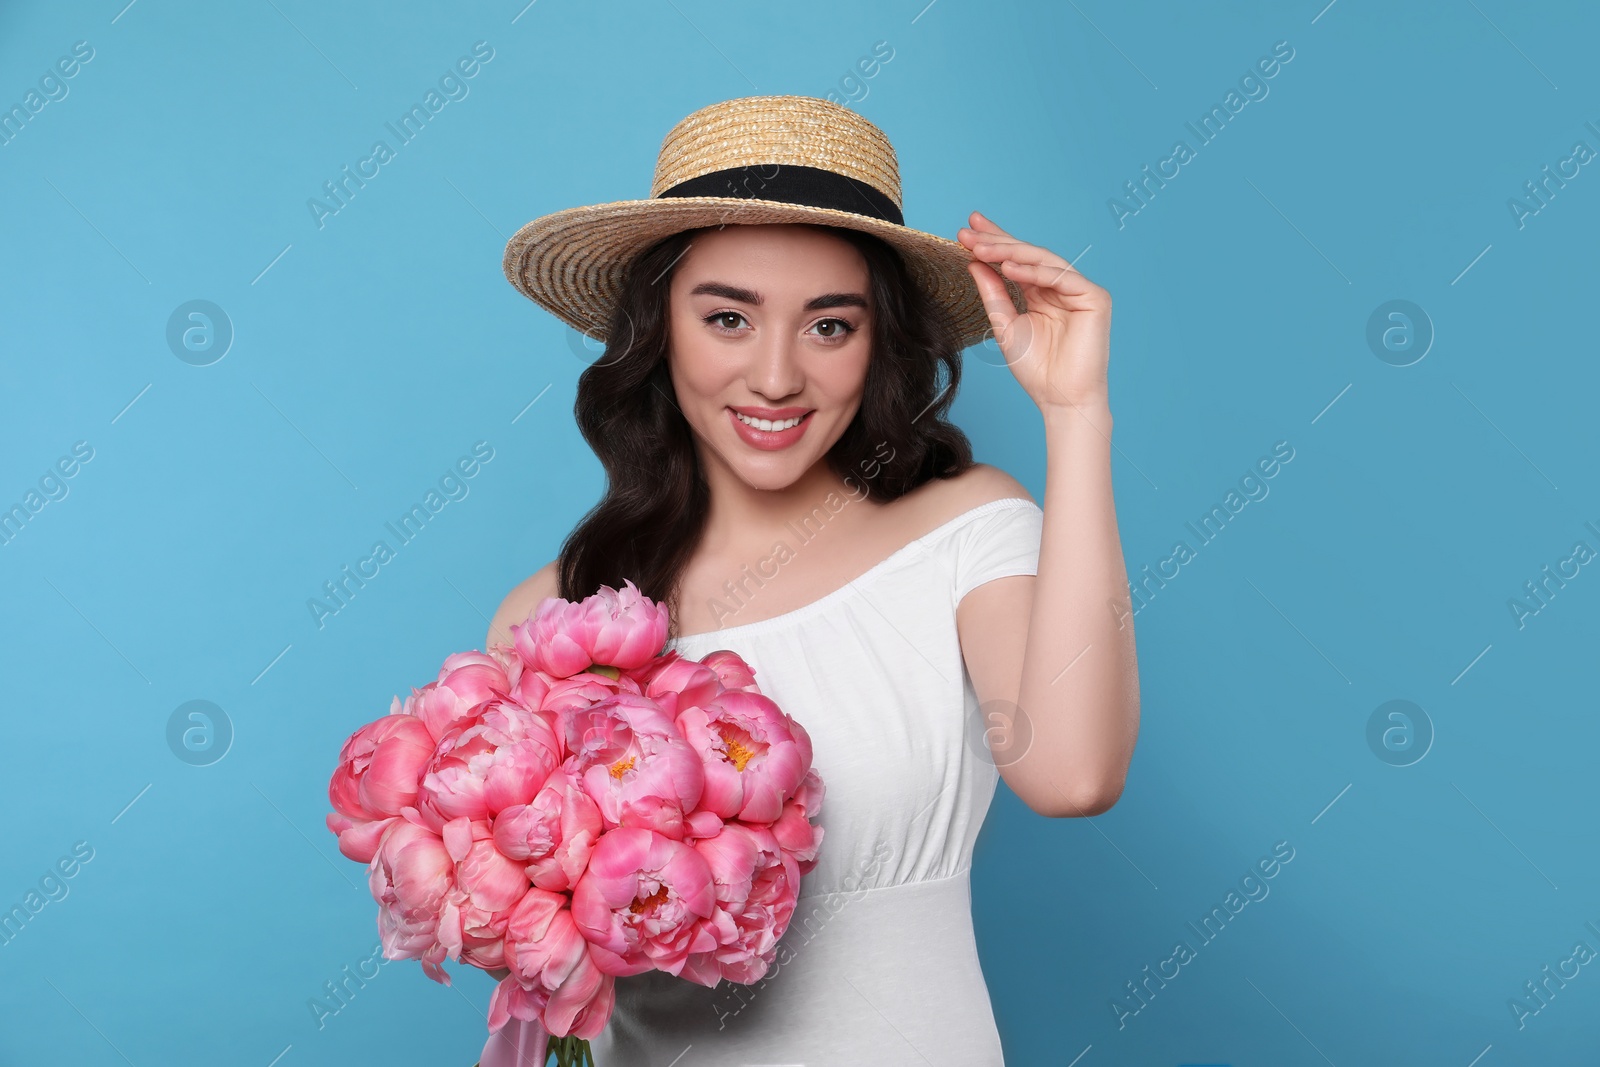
x: 840, y: 329
x: 835, y: 330
x: 717, y: 319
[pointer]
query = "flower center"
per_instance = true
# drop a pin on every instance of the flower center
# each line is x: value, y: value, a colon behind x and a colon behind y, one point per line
x: 739, y: 754
x: 646, y: 903
x: 621, y: 767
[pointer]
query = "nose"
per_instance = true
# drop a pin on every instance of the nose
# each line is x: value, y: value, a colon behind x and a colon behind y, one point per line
x: 775, y: 371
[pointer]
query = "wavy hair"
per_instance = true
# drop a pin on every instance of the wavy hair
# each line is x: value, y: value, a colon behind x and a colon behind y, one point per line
x: 650, y: 520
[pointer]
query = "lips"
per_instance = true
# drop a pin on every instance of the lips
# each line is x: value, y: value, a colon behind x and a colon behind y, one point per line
x: 770, y: 440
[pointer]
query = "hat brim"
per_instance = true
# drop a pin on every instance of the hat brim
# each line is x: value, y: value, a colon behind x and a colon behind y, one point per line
x: 572, y: 262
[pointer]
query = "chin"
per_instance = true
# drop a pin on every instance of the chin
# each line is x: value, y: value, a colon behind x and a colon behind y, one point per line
x: 772, y: 475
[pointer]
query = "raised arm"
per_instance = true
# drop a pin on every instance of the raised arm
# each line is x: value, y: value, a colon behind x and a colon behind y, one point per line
x: 1059, y: 646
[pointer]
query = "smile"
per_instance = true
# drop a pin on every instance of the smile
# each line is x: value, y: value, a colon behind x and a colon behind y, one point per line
x: 768, y: 424
x: 769, y: 435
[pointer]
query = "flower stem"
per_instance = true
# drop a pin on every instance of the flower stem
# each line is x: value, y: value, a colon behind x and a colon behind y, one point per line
x: 571, y: 1051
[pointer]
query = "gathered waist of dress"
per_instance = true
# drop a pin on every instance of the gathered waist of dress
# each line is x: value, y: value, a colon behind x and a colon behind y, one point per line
x: 858, y: 888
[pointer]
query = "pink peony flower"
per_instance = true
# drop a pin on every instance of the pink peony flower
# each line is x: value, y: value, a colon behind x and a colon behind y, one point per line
x: 476, y: 676
x: 484, y: 764
x: 567, y: 696
x: 635, y: 764
x: 521, y: 1039
x: 466, y: 682
x: 358, y: 838
x: 411, y: 878
x: 491, y: 880
x: 731, y: 668
x: 380, y: 767
x: 757, y: 885
x: 487, y: 884
x: 638, y: 902
x: 482, y: 939
x: 528, y: 685
x: 546, y: 953
x: 678, y: 683
x: 622, y: 629
x: 526, y: 751
x: 553, y: 834
x: 701, y: 823
x: 763, y: 916
x: 794, y: 831
x: 755, y: 756
x: 576, y: 806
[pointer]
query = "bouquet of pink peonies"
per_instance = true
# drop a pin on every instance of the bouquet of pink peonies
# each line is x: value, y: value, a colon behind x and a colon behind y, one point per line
x: 579, y: 806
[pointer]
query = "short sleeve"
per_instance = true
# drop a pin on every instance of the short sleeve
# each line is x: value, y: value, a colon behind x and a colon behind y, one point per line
x: 1002, y: 539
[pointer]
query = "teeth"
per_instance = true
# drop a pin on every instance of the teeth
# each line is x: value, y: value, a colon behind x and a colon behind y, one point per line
x: 767, y: 424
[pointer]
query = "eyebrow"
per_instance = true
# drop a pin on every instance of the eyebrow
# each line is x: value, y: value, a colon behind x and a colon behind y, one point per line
x: 747, y: 296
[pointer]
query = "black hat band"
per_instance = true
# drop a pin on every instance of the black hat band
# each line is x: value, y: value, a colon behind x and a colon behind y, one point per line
x: 793, y: 184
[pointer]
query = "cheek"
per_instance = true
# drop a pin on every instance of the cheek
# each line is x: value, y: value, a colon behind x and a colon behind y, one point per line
x: 842, y: 379
x: 698, y: 371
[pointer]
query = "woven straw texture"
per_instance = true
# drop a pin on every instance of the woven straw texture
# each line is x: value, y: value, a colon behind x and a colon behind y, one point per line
x: 786, y: 130
x: 572, y: 262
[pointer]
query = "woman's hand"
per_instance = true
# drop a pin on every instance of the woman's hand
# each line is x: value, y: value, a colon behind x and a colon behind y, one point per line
x: 1059, y: 349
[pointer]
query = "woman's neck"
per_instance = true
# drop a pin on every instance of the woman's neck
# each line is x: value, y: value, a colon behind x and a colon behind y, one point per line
x: 745, y: 516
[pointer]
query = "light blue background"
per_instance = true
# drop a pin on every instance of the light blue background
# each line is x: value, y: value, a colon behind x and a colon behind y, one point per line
x: 371, y: 353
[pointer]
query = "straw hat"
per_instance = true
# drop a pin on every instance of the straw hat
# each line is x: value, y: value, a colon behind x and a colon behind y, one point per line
x: 752, y: 160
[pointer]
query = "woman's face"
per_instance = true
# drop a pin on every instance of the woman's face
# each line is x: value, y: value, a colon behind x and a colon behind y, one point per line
x: 770, y: 322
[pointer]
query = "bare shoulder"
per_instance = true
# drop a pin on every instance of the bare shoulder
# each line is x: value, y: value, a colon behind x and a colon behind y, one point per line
x: 979, y: 484
x: 520, y: 602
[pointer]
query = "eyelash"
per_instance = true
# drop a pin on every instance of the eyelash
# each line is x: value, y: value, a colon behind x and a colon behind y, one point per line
x: 711, y: 320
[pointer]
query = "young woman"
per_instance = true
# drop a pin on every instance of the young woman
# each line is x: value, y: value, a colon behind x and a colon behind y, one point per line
x: 780, y: 473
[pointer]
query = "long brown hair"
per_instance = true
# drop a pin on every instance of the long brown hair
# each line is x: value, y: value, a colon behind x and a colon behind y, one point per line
x: 648, y: 523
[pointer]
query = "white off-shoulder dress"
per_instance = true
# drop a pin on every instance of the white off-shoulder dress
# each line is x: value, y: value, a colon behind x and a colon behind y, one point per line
x: 879, y: 964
